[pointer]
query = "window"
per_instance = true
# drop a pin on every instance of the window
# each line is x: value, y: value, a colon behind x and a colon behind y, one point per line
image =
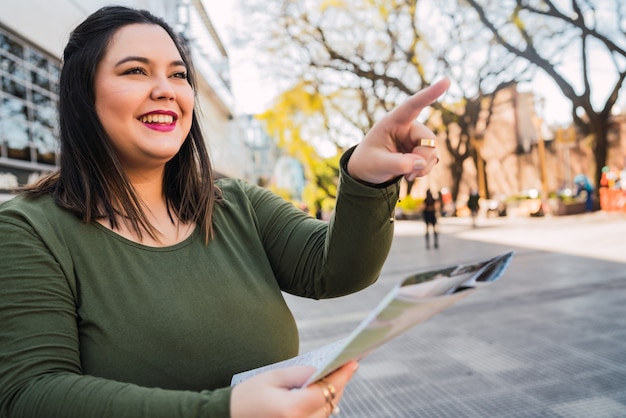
x: 28, y: 101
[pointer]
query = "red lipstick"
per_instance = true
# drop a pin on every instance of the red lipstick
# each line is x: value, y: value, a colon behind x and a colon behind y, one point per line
x: 159, y: 120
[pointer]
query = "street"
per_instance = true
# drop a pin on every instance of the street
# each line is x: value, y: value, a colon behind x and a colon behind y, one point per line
x: 548, y: 339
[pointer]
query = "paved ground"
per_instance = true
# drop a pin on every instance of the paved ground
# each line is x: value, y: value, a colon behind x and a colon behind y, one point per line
x: 547, y: 340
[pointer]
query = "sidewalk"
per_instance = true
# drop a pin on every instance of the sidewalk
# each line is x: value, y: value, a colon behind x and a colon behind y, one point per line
x: 548, y: 339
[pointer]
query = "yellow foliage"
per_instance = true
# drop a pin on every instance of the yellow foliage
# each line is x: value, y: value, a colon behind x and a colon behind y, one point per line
x: 517, y: 20
x: 381, y: 7
x: 409, y: 203
x: 329, y: 4
x: 285, y: 121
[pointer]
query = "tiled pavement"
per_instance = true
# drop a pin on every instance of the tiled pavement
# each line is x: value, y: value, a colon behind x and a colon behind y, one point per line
x: 547, y: 340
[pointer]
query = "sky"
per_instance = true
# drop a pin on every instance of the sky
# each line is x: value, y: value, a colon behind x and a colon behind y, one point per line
x: 252, y: 93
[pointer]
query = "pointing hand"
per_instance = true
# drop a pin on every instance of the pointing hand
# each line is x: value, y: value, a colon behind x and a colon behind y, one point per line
x: 394, y: 145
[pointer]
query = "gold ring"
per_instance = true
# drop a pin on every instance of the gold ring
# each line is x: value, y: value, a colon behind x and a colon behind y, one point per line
x: 326, y: 392
x: 330, y: 387
x: 426, y: 142
x: 329, y: 395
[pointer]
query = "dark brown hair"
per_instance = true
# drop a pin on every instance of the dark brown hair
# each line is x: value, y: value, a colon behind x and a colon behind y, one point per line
x: 90, y: 181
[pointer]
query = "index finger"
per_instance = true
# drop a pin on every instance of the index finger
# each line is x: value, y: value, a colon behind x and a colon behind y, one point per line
x: 409, y: 110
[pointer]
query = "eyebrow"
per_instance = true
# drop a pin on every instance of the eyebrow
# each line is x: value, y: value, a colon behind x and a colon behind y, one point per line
x: 145, y: 60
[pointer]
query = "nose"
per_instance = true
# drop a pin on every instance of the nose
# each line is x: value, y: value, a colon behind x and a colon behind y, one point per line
x: 163, y: 89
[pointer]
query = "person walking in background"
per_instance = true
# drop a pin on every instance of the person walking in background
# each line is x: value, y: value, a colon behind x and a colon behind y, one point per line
x: 443, y: 198
x: 473, y: 205
x: 134, y: 283
x: 430, y: 218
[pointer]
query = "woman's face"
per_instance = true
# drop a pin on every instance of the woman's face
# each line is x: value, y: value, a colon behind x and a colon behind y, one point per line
x: 143, y: 98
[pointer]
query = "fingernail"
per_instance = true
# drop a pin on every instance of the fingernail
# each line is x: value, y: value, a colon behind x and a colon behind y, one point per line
x: 419, y: 164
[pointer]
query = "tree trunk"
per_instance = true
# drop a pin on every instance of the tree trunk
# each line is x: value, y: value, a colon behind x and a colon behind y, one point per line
x: 600, y: 130
x: 456, y: 168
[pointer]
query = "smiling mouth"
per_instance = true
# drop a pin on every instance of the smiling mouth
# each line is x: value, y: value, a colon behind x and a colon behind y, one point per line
x: 159, y: 119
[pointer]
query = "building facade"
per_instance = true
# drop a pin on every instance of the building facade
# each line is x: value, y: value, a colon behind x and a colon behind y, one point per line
x: 31, y: 47
x: 520, y: 158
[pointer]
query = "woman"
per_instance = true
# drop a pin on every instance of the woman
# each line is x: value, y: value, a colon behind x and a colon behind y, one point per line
x: 430, y: 218
x: 135, y: 284
x: 473, y: 204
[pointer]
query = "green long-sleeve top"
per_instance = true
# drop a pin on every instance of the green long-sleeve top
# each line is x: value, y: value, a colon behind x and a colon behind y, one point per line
x: 95, y: 325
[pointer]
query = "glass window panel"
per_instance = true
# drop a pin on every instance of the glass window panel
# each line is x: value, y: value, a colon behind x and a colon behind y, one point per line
x: 54, y: 87
x: 16, y: 137
x: 12, y: 87
x: 39, y: 98
x: 43, y: 138
x: 13, y: 108
x: 55, y: 71
x: 8, y: 44
x: 38, y: 60
x: 12, y: 66
x: 4, y: 39
x: 6, y: 63
x: 46, y: 144
x: 40, y: 80
x: 45, y: 113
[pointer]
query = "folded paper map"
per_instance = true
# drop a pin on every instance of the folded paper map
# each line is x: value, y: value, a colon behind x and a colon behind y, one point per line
x: 415, y: 299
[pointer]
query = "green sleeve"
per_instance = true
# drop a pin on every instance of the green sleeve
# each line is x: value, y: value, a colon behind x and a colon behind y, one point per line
x: 338, y: 257
x: 40, y: 373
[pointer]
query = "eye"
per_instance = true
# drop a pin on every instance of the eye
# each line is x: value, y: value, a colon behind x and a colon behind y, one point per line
x: 135, y: 70
x: 181, y: 74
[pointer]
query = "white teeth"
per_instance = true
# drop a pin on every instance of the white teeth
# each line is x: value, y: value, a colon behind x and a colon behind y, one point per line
x: 157, y: 118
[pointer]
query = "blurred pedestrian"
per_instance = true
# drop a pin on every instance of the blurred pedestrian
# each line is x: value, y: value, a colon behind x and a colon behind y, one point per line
x: 585, y: 189
x: 473, y: 205
x: 430, y: 218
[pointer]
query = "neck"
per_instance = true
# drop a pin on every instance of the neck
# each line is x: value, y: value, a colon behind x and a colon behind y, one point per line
x: 169, y: 229
x: 149, y: 187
